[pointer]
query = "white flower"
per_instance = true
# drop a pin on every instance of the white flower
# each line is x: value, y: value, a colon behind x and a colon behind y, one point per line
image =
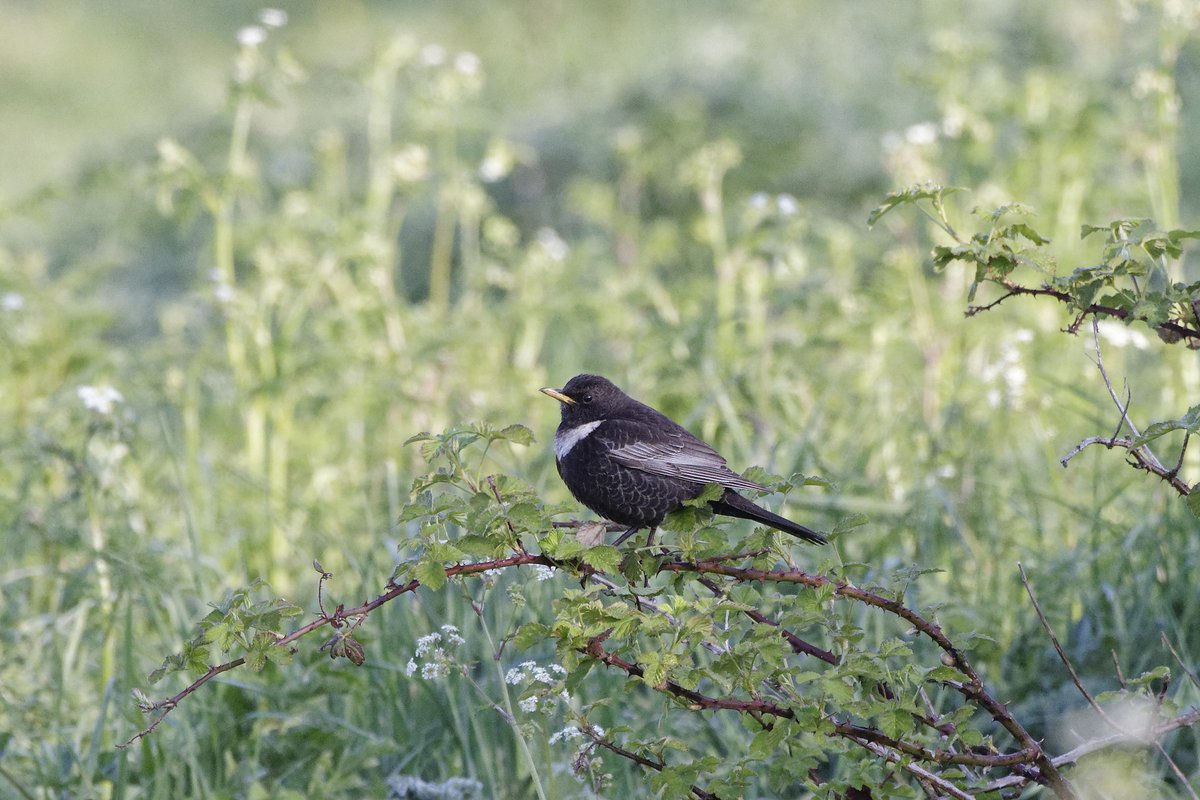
x: 224, y: 293
x: 787, y: 205
x: 434, y: 670
x: 452, y: 637
x: 513, y: 676
x: 566, y: 734
x: 100, y: 399
x: 427, y: 643
x: 1119, y: 334
x: 543, y: 572
x: 12, y: 301
x: 432, y: 55
x: 921, y: 133
x: 553, y: 245
x: 273, y: 17
x: 251, y: 36
x: 466, y: 63
x: 529, y: 704
x: 411, y: 163
x: 411, y: 669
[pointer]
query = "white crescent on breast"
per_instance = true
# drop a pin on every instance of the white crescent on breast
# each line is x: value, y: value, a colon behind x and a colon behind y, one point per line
x: 565, y: 441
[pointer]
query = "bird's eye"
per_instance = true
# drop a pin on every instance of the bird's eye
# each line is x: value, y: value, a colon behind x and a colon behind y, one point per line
x: 587, y: 398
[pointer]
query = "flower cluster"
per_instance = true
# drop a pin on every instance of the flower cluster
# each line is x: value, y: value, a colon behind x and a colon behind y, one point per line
x: 432, y: 649
x: 541, y: 683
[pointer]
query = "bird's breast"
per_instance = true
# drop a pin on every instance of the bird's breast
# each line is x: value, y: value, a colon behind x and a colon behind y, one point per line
x: 565, y: 439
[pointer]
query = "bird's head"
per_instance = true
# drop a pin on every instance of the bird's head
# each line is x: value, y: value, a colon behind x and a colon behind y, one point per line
x: 587, y: 398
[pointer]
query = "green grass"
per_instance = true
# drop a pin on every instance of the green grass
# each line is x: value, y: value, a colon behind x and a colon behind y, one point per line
x: 281, y: 309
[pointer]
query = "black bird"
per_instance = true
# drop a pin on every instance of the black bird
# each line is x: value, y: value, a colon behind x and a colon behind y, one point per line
x: 633, y: 465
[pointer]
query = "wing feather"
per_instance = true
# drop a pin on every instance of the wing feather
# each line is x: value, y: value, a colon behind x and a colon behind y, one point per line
x: 675, y: 453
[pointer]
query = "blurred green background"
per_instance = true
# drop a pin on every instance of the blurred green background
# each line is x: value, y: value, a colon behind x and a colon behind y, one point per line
x: 290, y: 254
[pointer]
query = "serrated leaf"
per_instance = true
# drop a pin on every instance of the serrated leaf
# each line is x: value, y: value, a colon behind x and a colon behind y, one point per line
x: 765, y: 742
x: 911, y: 195
x: 517, y: 434
x: 1188, y: 422
x: 605, y: 557
x: 431, y: 574
x: 1193, y: 500
x: 529, y: 634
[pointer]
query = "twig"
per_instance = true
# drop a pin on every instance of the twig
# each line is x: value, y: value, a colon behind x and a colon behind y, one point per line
x: 1058, y: 648
x: 918, y: 771
x: 1182, y: 665
x: 1184, y: 720
x: 973, y: 688
x: 1062, y: 655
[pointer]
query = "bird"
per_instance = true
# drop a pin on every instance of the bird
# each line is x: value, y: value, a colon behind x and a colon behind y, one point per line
x: 634, y: 465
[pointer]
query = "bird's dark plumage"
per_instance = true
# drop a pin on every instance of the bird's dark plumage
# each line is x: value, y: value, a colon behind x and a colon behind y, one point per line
x: 633, y: 465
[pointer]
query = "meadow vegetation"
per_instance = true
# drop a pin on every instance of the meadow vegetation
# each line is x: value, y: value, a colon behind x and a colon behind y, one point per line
x: 306, y: 330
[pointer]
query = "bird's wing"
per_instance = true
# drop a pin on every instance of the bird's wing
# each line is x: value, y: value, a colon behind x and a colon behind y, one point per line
x: 674, y: 453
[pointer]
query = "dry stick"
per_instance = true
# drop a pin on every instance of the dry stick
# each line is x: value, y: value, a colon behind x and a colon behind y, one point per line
x: 168, y: 705
x: 972, y: 689
x: 643, y: 761
x: 1094, y: 310
x: 919, y: 772
x: 1143, y: 457
x: 1187, y: 670
x: 1187, y: 719
x: 1062, y: 655
x: 758, y: 709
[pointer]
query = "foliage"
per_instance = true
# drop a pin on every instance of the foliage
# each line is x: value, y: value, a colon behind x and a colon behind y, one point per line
x: 215, y: 352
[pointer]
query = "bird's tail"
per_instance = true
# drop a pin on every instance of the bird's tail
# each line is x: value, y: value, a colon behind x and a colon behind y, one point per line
x: 734, y: 505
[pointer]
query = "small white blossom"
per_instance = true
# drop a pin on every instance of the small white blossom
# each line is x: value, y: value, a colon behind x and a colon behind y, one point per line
x: 1119, y: 334
x: 428, y: 643
x: 432, y: 55
x: 787, y: 205
x: 251, y: 36
x: 552, y: 244
x: 540, y: 675
x: 529, y: 704
x: 273, y: 17
x: 411, y: 669
x: 411, y: 163
x: 466, y: 63
x: 100, y: 399
x: 921, y: 133
x: 559, y: 668
x: 223, y: 293
x: 543, y: 572
x: 434, y: 670
x: 759, y: 200
x: 12, y: 301
x: 513, y: 676
x: 566, y: 734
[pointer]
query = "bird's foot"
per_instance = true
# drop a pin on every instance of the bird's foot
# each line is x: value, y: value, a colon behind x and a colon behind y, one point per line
x: 627, y: 534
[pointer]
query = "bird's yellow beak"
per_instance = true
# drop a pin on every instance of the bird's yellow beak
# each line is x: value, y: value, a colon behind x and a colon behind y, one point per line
x: 550, y: 391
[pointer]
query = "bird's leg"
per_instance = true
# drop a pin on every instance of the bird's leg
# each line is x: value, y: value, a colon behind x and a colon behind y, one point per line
x: 650, y: 536
x: 627, y: 534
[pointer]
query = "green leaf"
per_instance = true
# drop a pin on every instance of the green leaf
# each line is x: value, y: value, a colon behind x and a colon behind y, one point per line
x: 529, y: 634
x: 910, y: 196
x: 517, y: 434
x: 1193, y: 500
x: 605, y: 557
x: 765, y: 742
x: 1188, y: 422
x: 431, y: 574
